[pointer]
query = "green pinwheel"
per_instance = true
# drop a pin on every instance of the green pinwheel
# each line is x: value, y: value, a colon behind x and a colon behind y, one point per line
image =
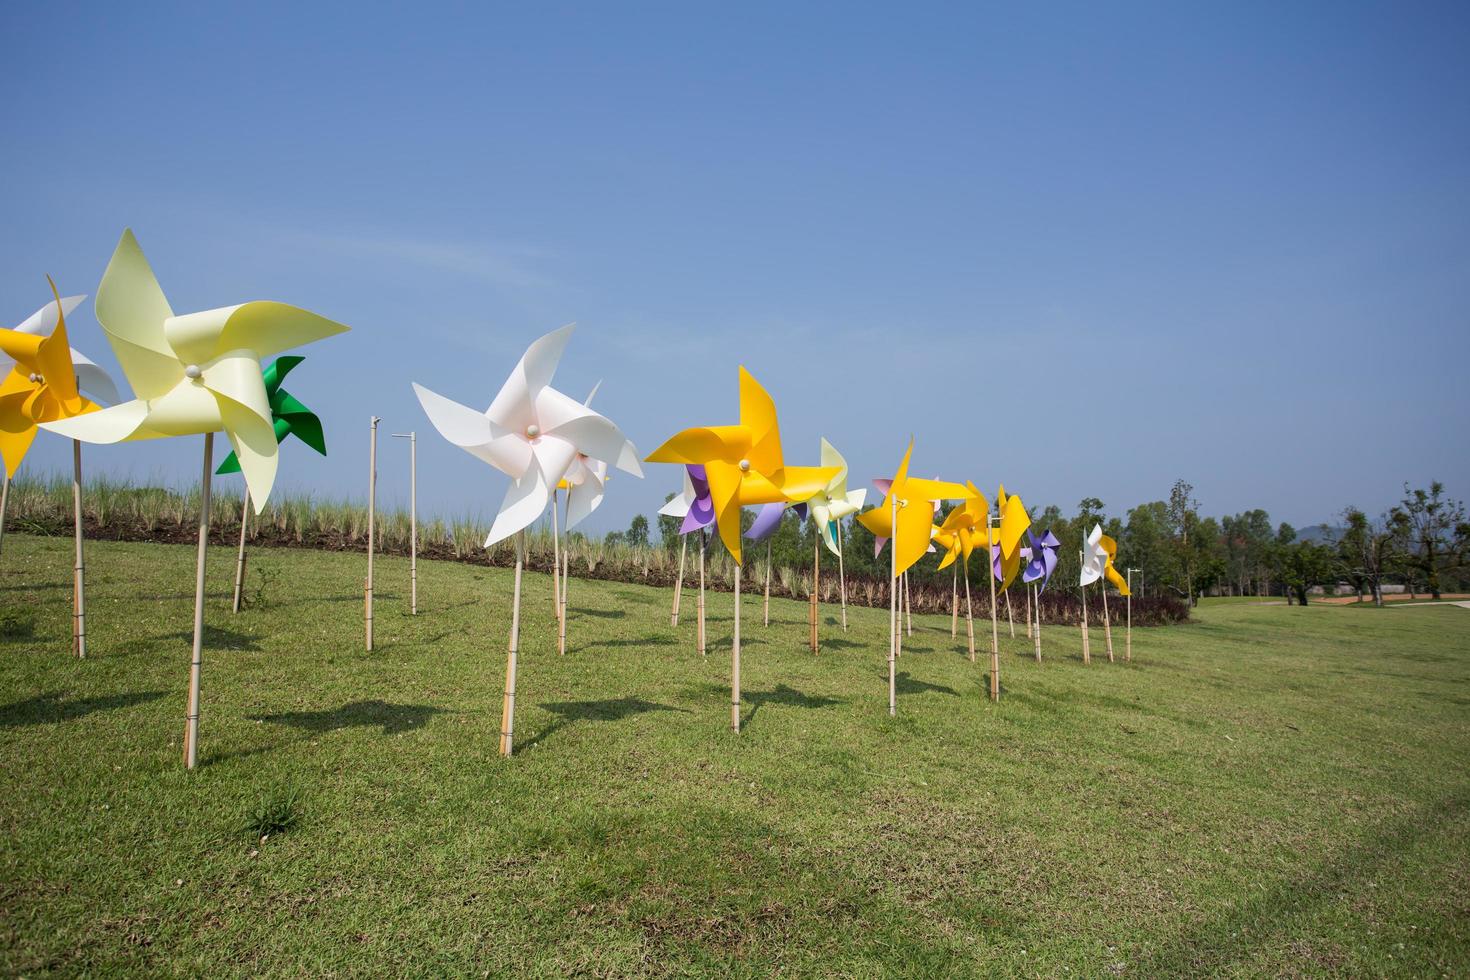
x: 288, y: 415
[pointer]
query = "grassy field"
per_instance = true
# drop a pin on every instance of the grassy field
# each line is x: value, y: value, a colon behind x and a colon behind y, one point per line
x: 1269, y: 790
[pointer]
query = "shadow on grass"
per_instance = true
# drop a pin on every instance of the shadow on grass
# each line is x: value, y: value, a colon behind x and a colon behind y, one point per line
x: 611, y: 709
x: 597, y: 613
x: 784, y: 695
x: 394, y: 718
x: 46, y: 708
x: 910, y: 685
x: 645, y: 641
x: 215, y: 638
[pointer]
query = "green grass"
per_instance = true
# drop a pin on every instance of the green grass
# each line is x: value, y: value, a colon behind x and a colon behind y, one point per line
x: 1268, y: 791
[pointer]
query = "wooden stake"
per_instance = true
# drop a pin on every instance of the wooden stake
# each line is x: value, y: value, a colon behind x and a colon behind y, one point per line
x: 735, y: 660
x: 561, y: 626
x: 816, y: 584
x: 237, y: 602
x: 191, y: 719
x: 969, y: 615
x: 508, y: 705
x: 954, y: 603
x: 841, y: 576
x: 1107, y: 624
x: 699, y: 629
x: 893, y: 611
x: 994, y: 622
x: 4, y: 500
x: 767, y: 613
x: 372, y: 527
x: 79, y: 591
x: 679, y: 582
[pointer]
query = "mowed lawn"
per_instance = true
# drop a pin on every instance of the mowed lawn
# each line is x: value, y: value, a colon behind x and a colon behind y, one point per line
x: 1268, y: 790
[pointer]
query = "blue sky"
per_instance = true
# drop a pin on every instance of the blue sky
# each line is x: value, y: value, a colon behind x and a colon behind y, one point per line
x: 1083, y: 250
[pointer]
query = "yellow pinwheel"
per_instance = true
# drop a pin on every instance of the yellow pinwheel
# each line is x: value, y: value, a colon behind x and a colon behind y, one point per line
x: 192, y: 374
x: 743, y: 462
x: 957, y: 535
x: 43, y: 379
x: 915, y: 499
x: 1005, y: 541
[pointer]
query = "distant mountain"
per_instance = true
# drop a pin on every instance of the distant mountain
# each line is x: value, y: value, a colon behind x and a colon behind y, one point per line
x: 1319, y: 534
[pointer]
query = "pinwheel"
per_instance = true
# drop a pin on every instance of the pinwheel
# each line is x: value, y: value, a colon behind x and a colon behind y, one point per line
x: 532, y: 433
x: 696, y: 511
x: 906, y: 516
x: 1097, y: 562
x: 828, y: 507
x: 1041, y: 560
x: 959, y: 536
x: 191, y: 375
x: 43, y: 379
x: 289, y: 417
x: 767, y: 522
x: 1004, y: 534
x: 744, y: 466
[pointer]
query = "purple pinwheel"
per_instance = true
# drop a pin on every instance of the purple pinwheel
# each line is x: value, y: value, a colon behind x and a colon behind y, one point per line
x: 1041, y: 558
x: 693, y: 506
x: 768, y: 519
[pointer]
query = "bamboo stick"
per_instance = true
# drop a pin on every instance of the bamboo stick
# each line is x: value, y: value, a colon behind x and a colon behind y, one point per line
x: 1107, y: 625
x: 1128, y: 636
x: 893, y: 611
x: 1086, y: 649
x: 994, y: 622
x: 191, y: 719
x: 679, y: 582
x: 508, y: 705
x: 237, y: 601
x: 1029, y: 592
x: 1037, y: 634
x: 413, y: 524
x: 566, y: 574
x: 372, y: 527
x: 4, y: 501
x: 969, y: 615
x: 79, y: 590
x: 1010, y: 616
x: 908, y: 604
x: 841, y: 576
x: 767, y: 612
x: 735, y: 660
x: 816, y: 585
x: 561, y: 629
x: 699, y: 630
x: 954, y: 603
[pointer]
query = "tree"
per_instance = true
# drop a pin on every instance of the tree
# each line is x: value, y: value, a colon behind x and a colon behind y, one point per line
x: 1367, y: 548
x: 637, y: 534
x: 1183, y: 515
x: 1305, y: 565
x: 668, y: 528
x: 1435, y: 530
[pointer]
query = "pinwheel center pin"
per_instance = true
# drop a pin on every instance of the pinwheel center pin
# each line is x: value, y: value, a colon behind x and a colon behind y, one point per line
x: 192, y: 372
x: 745, y: 466
x: 533, y: 431
x: 36, y: 378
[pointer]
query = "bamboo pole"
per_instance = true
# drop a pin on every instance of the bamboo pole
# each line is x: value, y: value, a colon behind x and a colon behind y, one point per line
x: 1107, y: 624
x: 969, y: 615
x: 954, y: 603
x: 994, y: 622
x: 1029, y: 593
x: 679, y: 582
x: 1037, y: 634
x: 508, y: 705
x: 699, y: 630
x: 238, y: 599
x: 767, y: 612
x: 413, y: 520
x: 735, y: 660
x: 1128, y: 636
x: 816, y: 585
x: 1010, y: 615
x: 191, y: 719
x: 908, y: 604
x: 893, y: 611
x: 1086, y: 649
x: 79, y: 590
x: 841, y: 576
x: 372, y: 527
x: 561, y: 628
x: 4, y: 501
x: 566, y: 574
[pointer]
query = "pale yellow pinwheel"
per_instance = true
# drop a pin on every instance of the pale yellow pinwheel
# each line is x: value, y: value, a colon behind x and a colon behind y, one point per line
x: 834, y: 501
x: 195, y: 373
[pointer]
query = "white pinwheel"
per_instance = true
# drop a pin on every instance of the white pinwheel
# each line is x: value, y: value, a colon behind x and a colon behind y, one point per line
x: 1094, y: 558
x: 192, y: 374
x: 835, y: 501
x: 532, y: 433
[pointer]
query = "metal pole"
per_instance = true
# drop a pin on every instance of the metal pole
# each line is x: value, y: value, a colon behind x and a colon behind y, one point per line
x: 79, y: 592
x: 191, y: 719
x: 372, y: 526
